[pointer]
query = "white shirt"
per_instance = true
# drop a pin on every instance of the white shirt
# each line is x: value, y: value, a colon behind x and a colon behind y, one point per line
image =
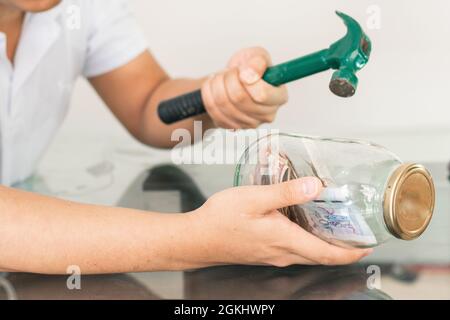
x: 78, y: 37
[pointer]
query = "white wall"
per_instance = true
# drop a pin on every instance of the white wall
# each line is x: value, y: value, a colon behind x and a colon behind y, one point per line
x: 403, y: 100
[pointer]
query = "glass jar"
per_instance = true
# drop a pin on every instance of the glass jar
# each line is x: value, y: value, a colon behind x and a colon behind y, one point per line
x: 369, y: 195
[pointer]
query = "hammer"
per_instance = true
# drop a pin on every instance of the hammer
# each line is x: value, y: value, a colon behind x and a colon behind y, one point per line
x: 347, y: 56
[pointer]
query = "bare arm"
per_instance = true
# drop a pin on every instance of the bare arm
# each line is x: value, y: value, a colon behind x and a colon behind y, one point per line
x: 45, y: 235
x: 133, y: 93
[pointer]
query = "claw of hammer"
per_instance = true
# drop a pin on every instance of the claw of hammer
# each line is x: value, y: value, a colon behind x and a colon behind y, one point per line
x: 348, y: 55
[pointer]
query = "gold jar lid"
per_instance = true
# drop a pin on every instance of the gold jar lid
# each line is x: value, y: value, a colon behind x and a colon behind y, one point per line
x: 409, y: 201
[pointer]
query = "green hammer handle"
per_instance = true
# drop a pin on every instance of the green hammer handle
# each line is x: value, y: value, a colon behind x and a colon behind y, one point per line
x: 191, y: 104
x: 297, y: 69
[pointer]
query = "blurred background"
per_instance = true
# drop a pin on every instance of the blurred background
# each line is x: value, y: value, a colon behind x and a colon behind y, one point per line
x: 403, y: 99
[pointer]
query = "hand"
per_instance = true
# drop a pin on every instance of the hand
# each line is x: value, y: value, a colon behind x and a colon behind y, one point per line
x: 242, y: 226
x: 238, y: 98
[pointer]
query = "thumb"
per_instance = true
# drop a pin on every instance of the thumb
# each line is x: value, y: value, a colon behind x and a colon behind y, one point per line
x: 266, y: 198
x: 252, y: 70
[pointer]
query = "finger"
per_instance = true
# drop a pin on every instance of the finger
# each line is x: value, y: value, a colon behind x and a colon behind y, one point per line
x: 297, y: 260
x: 290, y: 260
x: 241, y: 98
x: 243, y: 56
x: 219, y: 119
x: 222, y: 100
x: 261, y: 199
x: 288, y: 257
x: 322, y: 252
x: 263, y: 93
x: 253, y: 69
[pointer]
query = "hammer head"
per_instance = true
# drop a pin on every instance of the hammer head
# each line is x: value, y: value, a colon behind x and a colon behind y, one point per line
x: 348, y: 55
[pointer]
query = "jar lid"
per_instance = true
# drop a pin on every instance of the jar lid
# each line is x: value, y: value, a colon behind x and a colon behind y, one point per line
x: 409, y: 201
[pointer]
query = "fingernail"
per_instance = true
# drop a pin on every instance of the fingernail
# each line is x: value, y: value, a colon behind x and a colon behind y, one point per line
x: 310, y: 186
x: 368, y: 252
x: 249, y: 76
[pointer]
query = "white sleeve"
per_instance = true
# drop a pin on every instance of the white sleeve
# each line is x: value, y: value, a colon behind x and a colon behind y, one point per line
x: 114, y: 38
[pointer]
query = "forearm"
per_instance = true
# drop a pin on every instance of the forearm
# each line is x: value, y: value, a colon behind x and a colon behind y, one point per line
x: 133, y: 93
x: 153, y: 131
x: 44, y: 235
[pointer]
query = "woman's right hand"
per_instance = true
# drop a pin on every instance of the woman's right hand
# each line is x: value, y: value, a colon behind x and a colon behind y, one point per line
x: 243, y: 226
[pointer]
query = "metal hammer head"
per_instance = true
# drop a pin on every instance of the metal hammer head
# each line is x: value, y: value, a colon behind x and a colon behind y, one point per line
x: 347, y: 56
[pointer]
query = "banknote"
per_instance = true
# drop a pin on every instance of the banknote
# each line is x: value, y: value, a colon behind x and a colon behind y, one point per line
x: 339, y: 222
x: 333, y: 217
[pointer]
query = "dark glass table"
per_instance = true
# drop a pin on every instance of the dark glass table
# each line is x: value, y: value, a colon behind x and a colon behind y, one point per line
x: 397, y: 270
